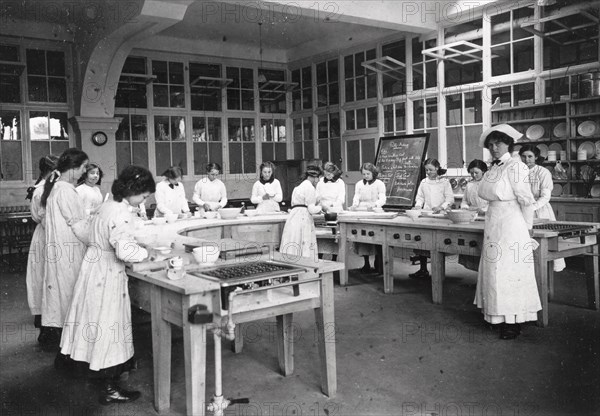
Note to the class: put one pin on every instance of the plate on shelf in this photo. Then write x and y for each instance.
(534, 132)
(556, 147)
(595, 191)
(557, 190)
(589, 148)
(543, 150)
(598, 149)
(560, 130)
(587, 128)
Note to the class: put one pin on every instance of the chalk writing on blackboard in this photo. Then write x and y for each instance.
(399, 159)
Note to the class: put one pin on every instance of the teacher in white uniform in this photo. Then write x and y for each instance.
(210, 193)
(506, 287)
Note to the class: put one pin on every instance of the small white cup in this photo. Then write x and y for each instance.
(582, 154)
(176, 263)
(552, 156)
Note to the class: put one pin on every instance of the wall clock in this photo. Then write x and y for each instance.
(99, 138)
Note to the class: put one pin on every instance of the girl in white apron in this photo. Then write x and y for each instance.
(98, 326)
(266, 192)
(210, 193)
(89, 188)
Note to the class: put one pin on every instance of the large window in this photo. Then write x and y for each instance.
(132, 141)
(330, 142)
(361, 118)
(240, 93)
(10, 71)
(206, 138)
(464, 126)
(242, 145)
(48, 132)
(512, 47)
(304, 147)
(170, 143)
(328, 83)
(424, 67)
(272, 91)
(11, 142)
(302, 93)
(46, 78)
(394, 118)
(131, 92)
(360, 83)
(425, 119)
(168, 86)
(205, 86)
(468, 70)
(273, 137)
(394, 81)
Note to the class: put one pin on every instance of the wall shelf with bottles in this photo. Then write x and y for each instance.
(569, 128)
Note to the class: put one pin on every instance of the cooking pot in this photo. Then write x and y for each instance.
(589, 84)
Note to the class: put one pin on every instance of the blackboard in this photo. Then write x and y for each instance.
(399, 159)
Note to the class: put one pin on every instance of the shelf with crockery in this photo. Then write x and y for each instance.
(567, 132)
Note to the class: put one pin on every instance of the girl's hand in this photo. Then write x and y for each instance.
(266, 197)
(437, 210)
(207, 207)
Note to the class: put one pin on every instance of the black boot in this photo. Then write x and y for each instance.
(510, 331)
(112, 393)
(367, 267)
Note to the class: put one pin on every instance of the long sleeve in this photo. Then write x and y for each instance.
(256, 197)
(71, 209)
(420, 198)
(518, 175)
(356, 198)
(121, 239)
(37, 211)
(223, 200)
(161, 199)
(381, 198)
(448, 195)
(197, 192)
(546, 185)
(278, 191)
(182, 199)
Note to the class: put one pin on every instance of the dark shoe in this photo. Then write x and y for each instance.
(510, 331)
(115, 394)
(64, 365)
(421, 274)
(366, 269)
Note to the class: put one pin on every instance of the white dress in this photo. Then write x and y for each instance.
(506, 286)
(67, 235)
(98, 326)
(90, 196)
(368, 195)
(170, 200)
(434, 193)
(540, 180)
(273, 188)
(35, 259)
(331, 195)
(299, 238)
(471, 197)
(211, 192)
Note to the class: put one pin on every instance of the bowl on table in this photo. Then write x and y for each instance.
(164, 250)
(206, 254)
(171, 218)
(229, 213)
(210, 215)
(159, 220)
(251, 212)
(461, 216)
(413, 214)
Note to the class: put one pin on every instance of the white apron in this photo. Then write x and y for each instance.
(506, 285)
(98, 328)
(35, 260)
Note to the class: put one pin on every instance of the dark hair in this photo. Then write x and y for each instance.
(499, 137)
(435, 163)
(312, 171)
(333, 169)
(479, 164)
(46, 165)
(266, 165)
(133, 180)
(212, 166)
(173, 172)
(70, 158)
(533, 149)
(370, 167)
(91, 166)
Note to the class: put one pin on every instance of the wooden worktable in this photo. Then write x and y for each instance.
(168, 302)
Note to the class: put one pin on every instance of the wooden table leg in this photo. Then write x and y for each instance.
(285, 343)
(550, 280)
(325, 320)
(343, 254)
(194, 351)
(541, 276)
(161, 352)
(438, 271)
(388, 268)
(591, 278)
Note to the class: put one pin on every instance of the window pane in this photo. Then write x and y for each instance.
(57, 90)
(334, 93)
(123, 155)
(163, 157)
(248, 130)
(59, 126)
(161, 129)
(37, 88)
(38, 125)
(353, 155)
(324, 149)
(11, 161)
(139, 128)
(323, 126)
(179, 156)
(525, 93)
(431, 113)
(321, 73)
(400, 117)
(418, 114)
(161, 95)
(159, 68)
(361, 121)
(454, 147)
(335, 146)
(234, 130)
(350, 121)
(235, 157)
(308, 132)
(176, 73)
(9, 53)
(309, 150)
(368, 150)
(332, 70)
(36, 62)
(523, 55)
(198, 129)
(134, 65)
(297, 129)
(453, 110)
(334, 125)
(139, 154)
(177, 97)
(472, 149)
(11, 125)
(200, 158)
(10, 88)
(473, 107)
(56, 63)
(250, 158)
(388, 118)
(123, 133)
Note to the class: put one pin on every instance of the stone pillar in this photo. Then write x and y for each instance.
(105, 156)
